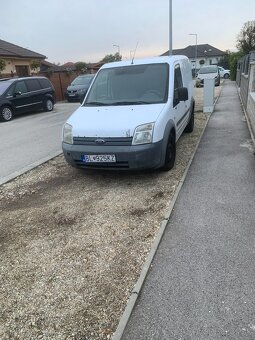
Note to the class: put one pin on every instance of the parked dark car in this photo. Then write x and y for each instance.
(79, 87)
(21, 95)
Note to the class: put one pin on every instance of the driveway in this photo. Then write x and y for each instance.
(29, 139)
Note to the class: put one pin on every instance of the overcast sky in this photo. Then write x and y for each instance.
(86, 30)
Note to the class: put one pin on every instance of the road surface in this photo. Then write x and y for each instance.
(29, 139)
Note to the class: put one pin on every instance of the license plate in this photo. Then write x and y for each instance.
(98, 158)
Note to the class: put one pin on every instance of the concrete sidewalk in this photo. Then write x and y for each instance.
(201, 285)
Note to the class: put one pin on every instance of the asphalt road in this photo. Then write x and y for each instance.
(29, 139)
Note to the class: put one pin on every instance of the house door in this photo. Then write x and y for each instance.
(22, 70)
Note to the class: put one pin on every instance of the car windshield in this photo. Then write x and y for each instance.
(4, 84)
(82, 80)
(208, 69)
(130, 85)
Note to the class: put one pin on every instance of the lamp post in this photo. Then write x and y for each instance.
(195, 34)
(170, 29)
(117, 47)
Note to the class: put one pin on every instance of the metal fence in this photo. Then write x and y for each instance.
(243, 75)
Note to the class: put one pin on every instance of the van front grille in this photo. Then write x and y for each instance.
(109, 141)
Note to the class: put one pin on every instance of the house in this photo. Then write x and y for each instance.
(199, 55)
(18, 61)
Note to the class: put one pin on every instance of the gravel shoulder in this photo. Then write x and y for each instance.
(73, 243)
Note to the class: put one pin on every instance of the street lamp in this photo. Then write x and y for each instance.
(170, 29)
(117, 47)
(195, 34)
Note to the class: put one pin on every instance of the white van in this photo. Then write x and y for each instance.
(132, 116)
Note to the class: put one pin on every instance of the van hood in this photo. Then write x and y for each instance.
(112, 121)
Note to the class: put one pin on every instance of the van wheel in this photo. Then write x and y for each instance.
(48, 104)
(226, 76)
(170, 153)
(6, 113)
(190, 127)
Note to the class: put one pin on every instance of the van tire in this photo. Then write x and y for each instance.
(6, 113)
(170, 153)
(48, 104)
(190, 127)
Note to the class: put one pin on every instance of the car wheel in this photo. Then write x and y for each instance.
(6, 113)
(170, 153)
(190, 127)
(48, 104)
(226, 76)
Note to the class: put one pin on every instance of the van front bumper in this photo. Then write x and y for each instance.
(132, 157)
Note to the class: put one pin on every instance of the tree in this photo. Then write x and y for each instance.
(246, 37)
(35, 64)
(111, 57)
(224, 61)
(233, 59)
(2, 65)
(81, 67)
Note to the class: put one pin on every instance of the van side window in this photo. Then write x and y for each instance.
(177, 83)
(44, 83)
(33, 85)
(20, 87)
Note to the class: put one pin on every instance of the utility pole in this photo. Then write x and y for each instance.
(170, 29)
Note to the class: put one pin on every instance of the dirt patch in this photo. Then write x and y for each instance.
(73, 244)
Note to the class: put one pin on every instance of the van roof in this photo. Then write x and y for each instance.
(154, 60)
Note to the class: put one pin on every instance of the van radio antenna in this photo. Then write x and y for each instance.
(132, 62)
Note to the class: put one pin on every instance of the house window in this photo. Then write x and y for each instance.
(210, 61)
(22, 70)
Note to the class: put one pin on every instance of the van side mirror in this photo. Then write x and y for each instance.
(183, 94)
(15, 94)
(180, 94)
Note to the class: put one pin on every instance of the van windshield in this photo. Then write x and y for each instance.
(130, 85)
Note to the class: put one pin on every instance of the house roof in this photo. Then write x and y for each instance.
(14, 51)
(203, 50)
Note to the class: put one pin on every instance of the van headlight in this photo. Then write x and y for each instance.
(67, 133)
(143, 134)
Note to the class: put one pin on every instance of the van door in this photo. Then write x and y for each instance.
(179, 106)
(19, 97)
(36, 94)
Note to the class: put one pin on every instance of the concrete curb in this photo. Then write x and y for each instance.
(15, 174)
(138, 286)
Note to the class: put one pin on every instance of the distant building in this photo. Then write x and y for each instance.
(205, 55)
(19, 61)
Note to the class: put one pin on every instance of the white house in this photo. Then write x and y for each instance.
(199, 55)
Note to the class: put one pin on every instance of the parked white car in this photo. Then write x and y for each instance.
(132, 115)
(208, 72)
(224, 73)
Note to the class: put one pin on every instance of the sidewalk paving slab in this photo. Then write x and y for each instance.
(201, 284)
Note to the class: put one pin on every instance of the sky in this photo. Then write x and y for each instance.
(87, 30)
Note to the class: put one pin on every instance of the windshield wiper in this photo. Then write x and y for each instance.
(96, 104)
(138, 102)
